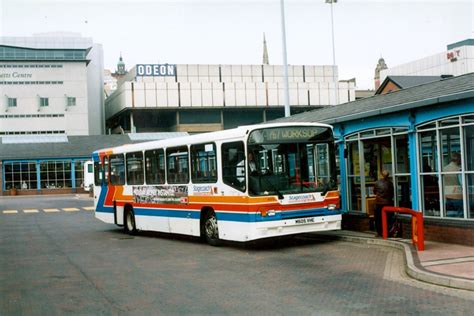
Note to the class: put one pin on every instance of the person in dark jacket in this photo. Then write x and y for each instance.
(383, 190)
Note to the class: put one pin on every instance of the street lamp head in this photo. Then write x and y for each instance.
(331, 1)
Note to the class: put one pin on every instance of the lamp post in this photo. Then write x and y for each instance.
(285, 62)
(331, 2)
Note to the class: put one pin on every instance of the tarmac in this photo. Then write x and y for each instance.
(448, 265)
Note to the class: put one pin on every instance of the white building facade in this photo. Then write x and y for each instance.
(458, 59)
(200, 98)
(51, 84)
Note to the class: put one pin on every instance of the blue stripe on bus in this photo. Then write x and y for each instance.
(167, 213)
(245, 217)
(95, 157)
(227, 216)
(100, 204)
(310, 212)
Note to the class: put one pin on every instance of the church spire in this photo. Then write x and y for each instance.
(121, 66)
(265, 51)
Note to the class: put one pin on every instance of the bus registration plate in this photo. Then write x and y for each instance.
(307, 220)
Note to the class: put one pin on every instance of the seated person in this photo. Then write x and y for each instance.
(252, 166)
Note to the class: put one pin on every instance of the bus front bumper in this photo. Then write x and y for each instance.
(268, 229)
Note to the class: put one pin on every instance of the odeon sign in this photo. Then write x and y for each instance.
(156, 70)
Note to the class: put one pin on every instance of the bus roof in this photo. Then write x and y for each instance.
(239, 132)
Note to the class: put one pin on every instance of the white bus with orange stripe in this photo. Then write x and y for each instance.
(242, 184)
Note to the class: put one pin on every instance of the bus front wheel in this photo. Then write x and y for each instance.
(130, 227)
(211, 229)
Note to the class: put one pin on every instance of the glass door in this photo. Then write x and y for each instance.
(377, 157)
(353, 176)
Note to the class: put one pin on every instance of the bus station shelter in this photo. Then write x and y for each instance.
(424, 136)
(53, 164)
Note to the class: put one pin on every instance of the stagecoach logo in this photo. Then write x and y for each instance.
(160, 194)
(301, 198)
(202, 190)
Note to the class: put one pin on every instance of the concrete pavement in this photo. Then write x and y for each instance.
(442, 264)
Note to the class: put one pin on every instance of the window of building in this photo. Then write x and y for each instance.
(117, 170)
(369, 153)
(451, 169)
(18, 53)
(135, 168)
(55, 174)
(402, 175)
(177, 165)
(203, 163)
(12, 102)
(71, 101)
(233, 165)
(44, 102)
(32, 132)
(353, 175)
(20, 175)
(79, 173)
(447, 168)
(155, 166)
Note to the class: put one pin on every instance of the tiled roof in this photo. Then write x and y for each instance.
(411, 81)
(445, 90)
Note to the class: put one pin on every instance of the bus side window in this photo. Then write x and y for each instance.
(98, 173)
(117, 170)
(233, 165)
(106, 170)
(177, 161)
(203, 163)
(321, 154)
(134, 168)
(155, 166)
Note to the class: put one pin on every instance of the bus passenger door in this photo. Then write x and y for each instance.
(99, 183)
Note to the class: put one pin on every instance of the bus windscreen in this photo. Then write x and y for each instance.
(291, 160)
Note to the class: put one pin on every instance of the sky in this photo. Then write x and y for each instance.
(231, 31)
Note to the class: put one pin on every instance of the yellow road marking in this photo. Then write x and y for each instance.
(70, 209)
(10, 212)
(51, 210)
(89, 208)
(30, 211)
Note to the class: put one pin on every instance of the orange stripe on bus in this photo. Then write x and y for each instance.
(230, 199)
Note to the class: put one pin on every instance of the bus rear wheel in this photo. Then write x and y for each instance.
(211, 229)
(130, 227)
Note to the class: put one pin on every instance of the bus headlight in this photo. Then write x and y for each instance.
(331, 207)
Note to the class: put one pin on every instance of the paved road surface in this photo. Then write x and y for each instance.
(67, 262)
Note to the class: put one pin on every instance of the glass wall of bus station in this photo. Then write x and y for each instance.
(52, 174)
(447, 167)
(368, 154)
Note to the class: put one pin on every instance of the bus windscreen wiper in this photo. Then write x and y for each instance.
(280, 195)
